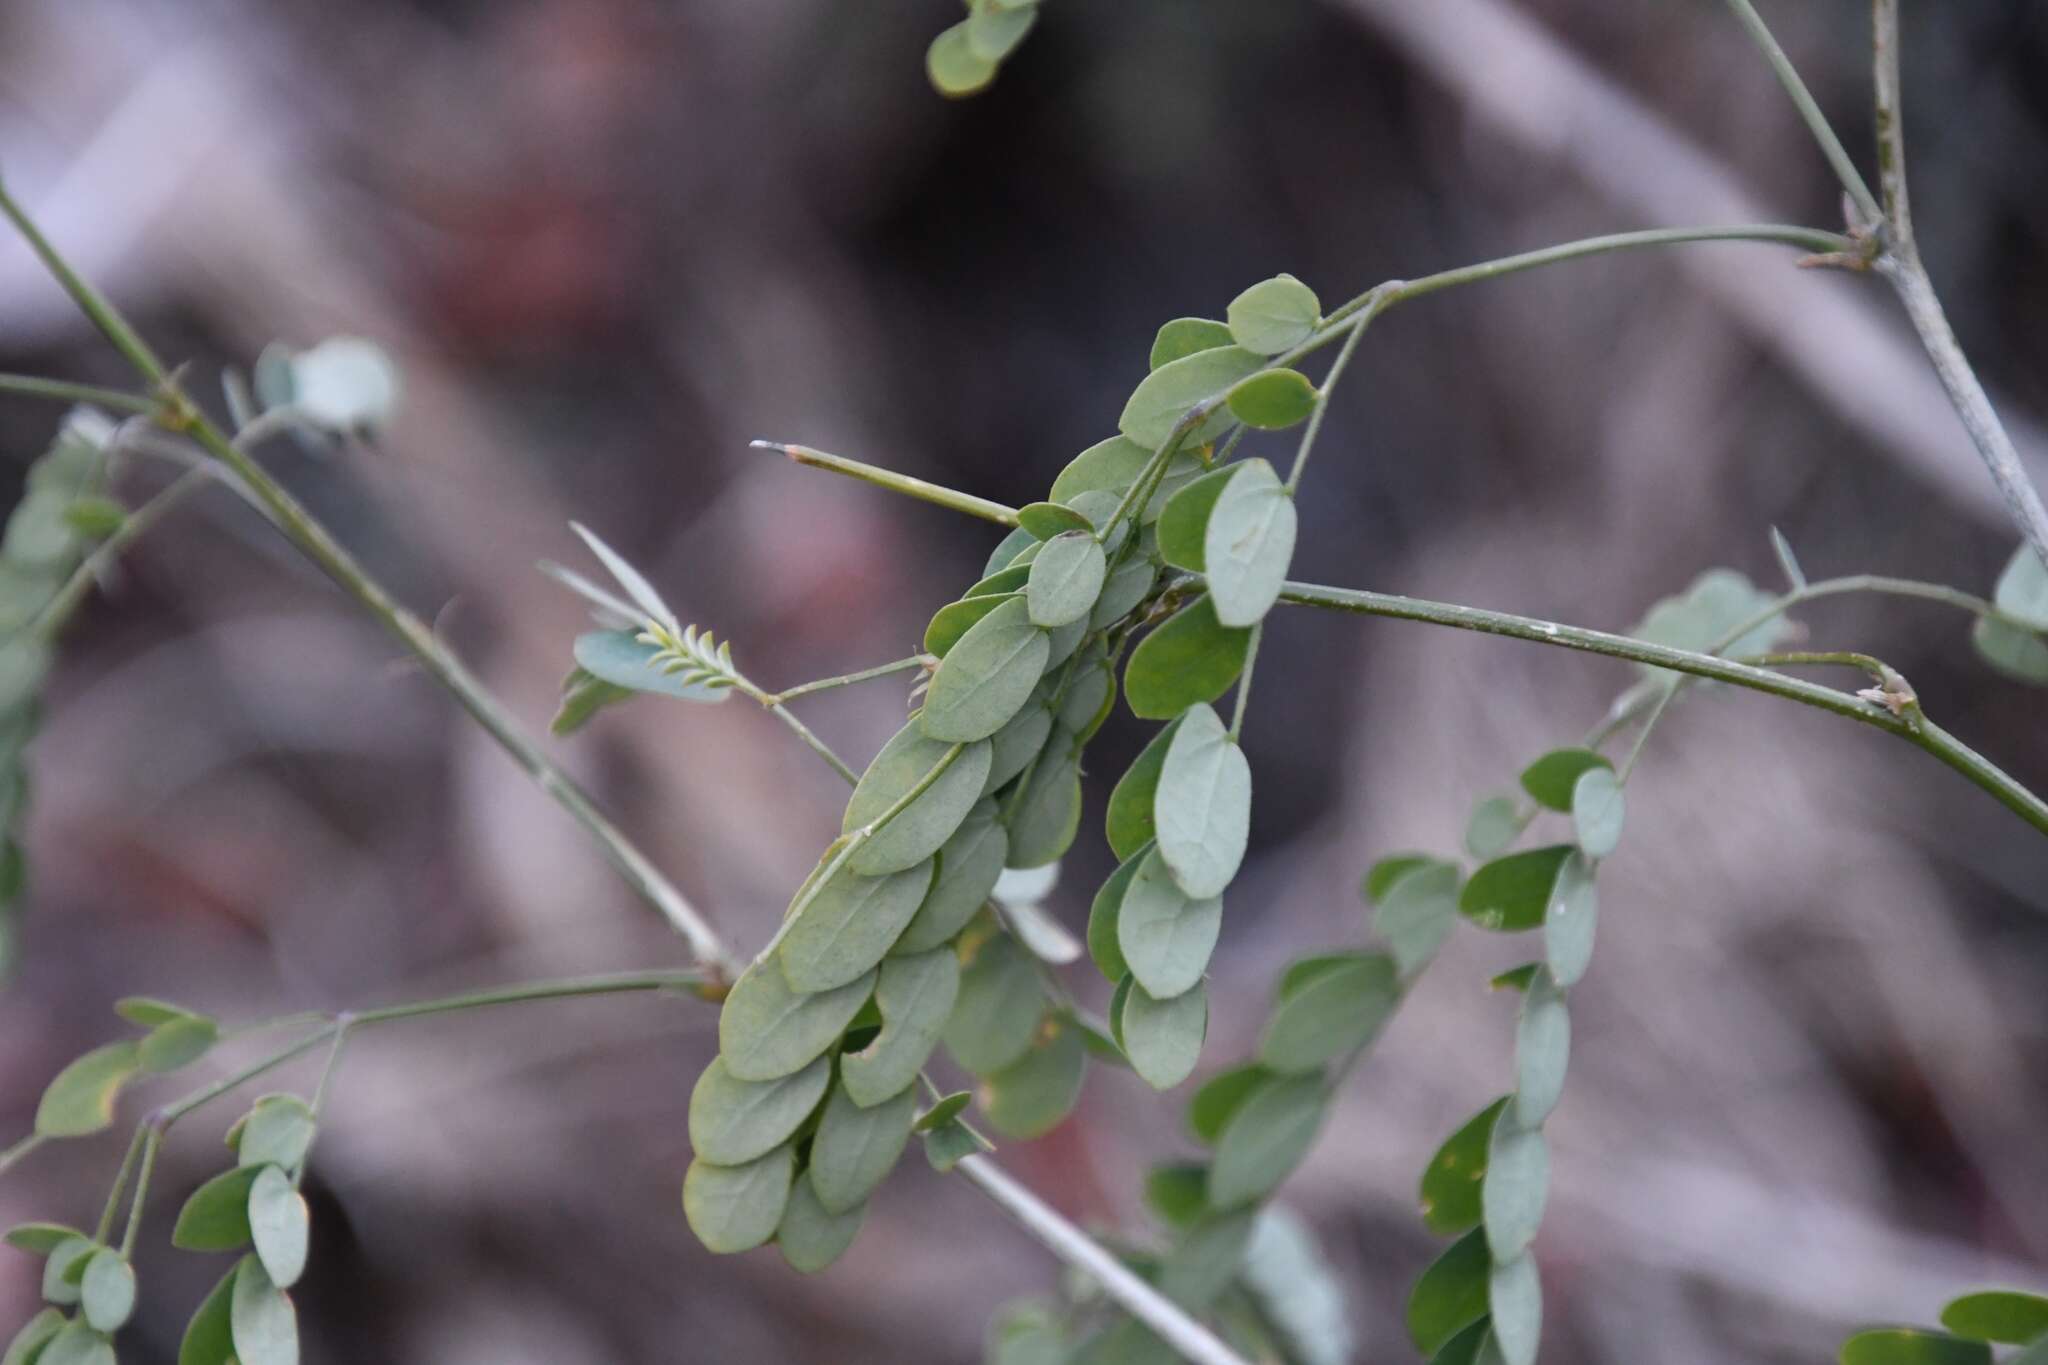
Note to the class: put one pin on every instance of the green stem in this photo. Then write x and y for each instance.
(97, 310)
(105, 1229)
(1665, 697)
(822, 684)
(19, 1150)
(57, 391)
(1842, 658)
(1802, 99)
(802, 731)
(1927, 735)
(1244, 681)
(898, 483)
(57, 611)
(1359, 323)
(152, 1143)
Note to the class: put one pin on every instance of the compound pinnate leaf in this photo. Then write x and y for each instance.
(277, 1132)
(1273, 400)
(1202, 807)
(1550, 778)
(1451, 1295)
(987, 677)
(997, 1012)
(1514, 1189)
(1598, 807)
(1543, 1048)
(209, 1337)
(1165, 934)
(1128, 822)
(106, 1292)
(216, 1217)
(845, 923)
(915, 996)
(733, 1121)
(969, 866)
(622, 659)
(265, 1326)
(1185, 336)
(1029, 1097)
(279, 1225)
(917, 831)
(1570, 920)
(953, 65)
(1248, 544)
(1274, 315)
(810, 1235)
(1066, 579)
(1191, 658)
(2004, 1315)
(855, 1148)
(1451, 1181)
(1163, 1038)
(1335, 1010)
(1416, 912)
(1266, 1136)
(1510, 894)
(1515, 1303)
(1184, 521)
(1912, 1346)
(767, 1030)
(1169, 393)
(81, 1098)
(737, 1208)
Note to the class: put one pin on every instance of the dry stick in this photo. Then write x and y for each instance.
(313, 539)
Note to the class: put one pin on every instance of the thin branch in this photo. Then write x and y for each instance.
(58, 391)
(1925, 734)
(66, 599)
(1173, 1325)
(841, 680)
(899, 483)
(1802, 98)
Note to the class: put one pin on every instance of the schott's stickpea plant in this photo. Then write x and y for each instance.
(1142, 579)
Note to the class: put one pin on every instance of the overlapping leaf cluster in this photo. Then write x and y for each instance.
(1975, 1323)
(53, 527)
(893, 943)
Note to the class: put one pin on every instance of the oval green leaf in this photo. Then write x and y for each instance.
(260, 1315)
(1451, 1181)
(1911, 1346)
(1163, 1038)
(1166, 395)
(1048, 815)
(915, 996)
(1510, 894)
(737, 1208)
(1598, 807)
(1336, 1011)
(1104, 950)
(1044, 520)
(277, 1132)
(2005, 1315)
(1192, 658)
(1274, 315)
(1128, 822)
(969, 865)
(279, 1225)
(1219, 1098)
(81, 1098)
(620, 658)
(1514, 1188)
(209, 1337)
(1543, 1049)
(1451, 1295)
(1416, 912)
(810, 1235)
(1185, 519)
(1273, 400)
(1203, 805)
(1550, 778)
(1267, 1135)
(996, 1014)
(856, 1147)
(216, 1217)
(1569, 922)
(767, 1030)
(106, 1292)
(987, 677)
(1028, 1098)
(1066, 578)
(1248, 544)
(733, 1122)
(1185, 336)
(1515, 1303)
(953, 65)
(1165, 934)
(916, 832)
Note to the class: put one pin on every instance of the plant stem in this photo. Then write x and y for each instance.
(1358, 324)
(899, 483)
(19, 1150)
(1901, 264)
(57, 611)
(1192, 1340)
(1244, 681)
(1927, 735)
(152, 1142)
(1816, 122)
(822, 684)
(105, 1229)
(57, 391)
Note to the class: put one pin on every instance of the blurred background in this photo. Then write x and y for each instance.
(613, 240)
